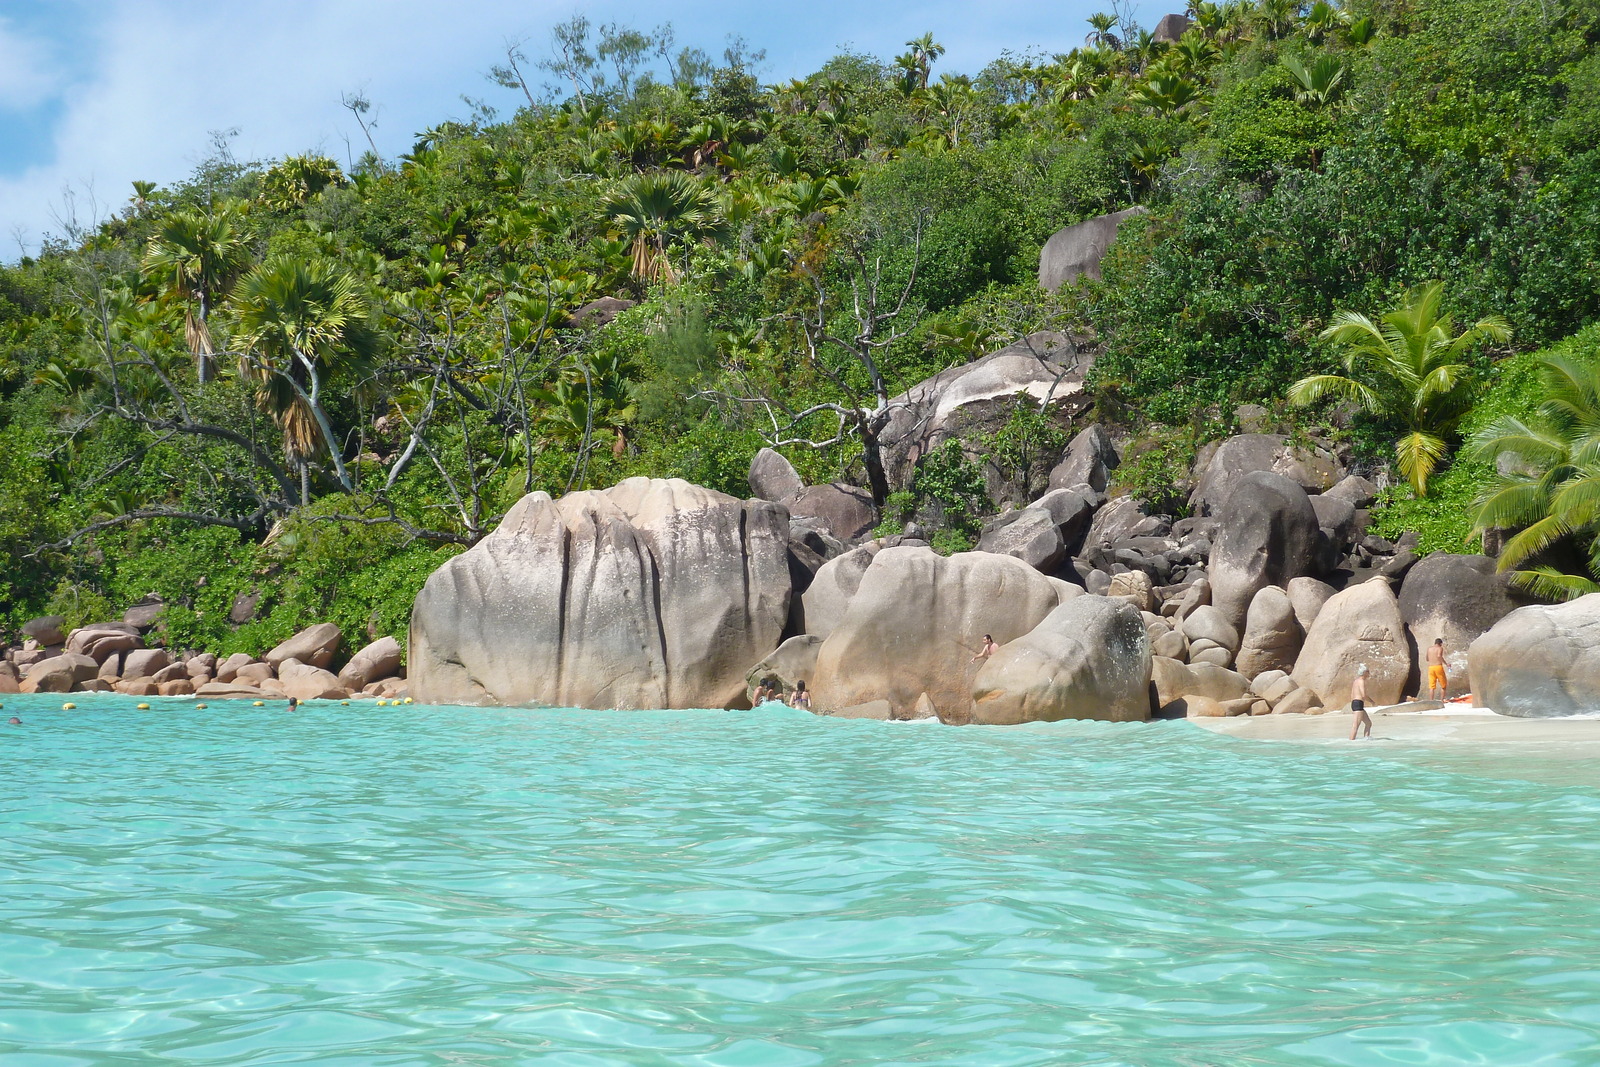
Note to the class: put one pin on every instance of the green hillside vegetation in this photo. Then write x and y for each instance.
(313, 382)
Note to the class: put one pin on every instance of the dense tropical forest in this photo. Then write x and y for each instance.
(306, 384)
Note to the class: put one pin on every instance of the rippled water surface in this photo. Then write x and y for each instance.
(457, 886)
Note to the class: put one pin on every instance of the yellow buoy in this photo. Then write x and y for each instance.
(346, 703)
(68, 707)
(408, 700)
(382, 702)
(144, 707)
(202, 707)
(258, 703)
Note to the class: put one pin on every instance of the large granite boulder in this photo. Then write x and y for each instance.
(915, 623)
(315, 645)
(844, 511)
(46, 630)
(1307, 595)
(1540, 661)
(59, 674)
(1268, 536)
(1031, 535)
(1272, 634)
(1170, 28)
(380, 659)
(1072, 510)
(1122, 519)
(1459, 599)
(651, 594)
(1076, 251)
(1088, 659)
(1090, 459)
(145, 662)
(1045, 369)
(305, 682)
(772, 477)
(835, 583)
(102, 640)
(1360, 625)
(1219, 469)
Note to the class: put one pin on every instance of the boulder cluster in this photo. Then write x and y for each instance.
(125, 657)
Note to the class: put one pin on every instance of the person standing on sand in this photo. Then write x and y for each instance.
(1358, 704)
(989, 648)
(1436, 675)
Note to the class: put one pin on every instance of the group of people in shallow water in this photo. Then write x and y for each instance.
(772, 689)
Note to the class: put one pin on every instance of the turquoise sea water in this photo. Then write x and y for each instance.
(417, 885)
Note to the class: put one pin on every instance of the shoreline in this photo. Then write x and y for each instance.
(1571, 738)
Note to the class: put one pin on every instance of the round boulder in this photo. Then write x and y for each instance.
(1540, 661)
(1088, 659)
(1268, 536)
(1459, 599)
(1360, 625)
(1272, 635)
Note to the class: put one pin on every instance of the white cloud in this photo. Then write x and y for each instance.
(26, 78)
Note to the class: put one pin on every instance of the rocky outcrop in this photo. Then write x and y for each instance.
(835, 583)
(59, 674)
(1306, 596)
(772, 477)
(915, 623)
(46, 630)
(99, 641)
(1268, 536)
(979, 397)
(1031, 535)
(1090, 459)
(305, 682)
(1088, 659)
(1272, 634)
(315, 645)
(1360, 625)
(844, 511)
(1076, 251)
(1540, 661)
(380, 659)
(650, 594)
(1219, 469)
(1170, 28)
(1459, 599)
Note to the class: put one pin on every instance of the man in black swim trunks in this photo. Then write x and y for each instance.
(1358, 704)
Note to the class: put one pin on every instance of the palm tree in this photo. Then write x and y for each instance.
(1405, 369)
(1166, 93)
(1550, 489)
(197, 255)
(1100, 36)
(924, 51)
(301, 323)
(1322, 19)
(1317, 84)
(655, 211)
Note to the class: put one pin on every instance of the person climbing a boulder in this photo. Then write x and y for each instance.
(989, 648)
(1436, 675)
(1358, 704)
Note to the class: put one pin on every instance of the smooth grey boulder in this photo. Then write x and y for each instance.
(793, 661)
(1540, 661)
(1459, 599)
(305, 682)
(1087, 659)
(145, 662)
(1072, 509)
(654, 593)
(1030, 535)
(917, 620)
(229, 668)
(1077, 250)
(1170, 28)
(1090, 459)
(1355, 489)
(1121, 519)
(1172, 645)
(145, 614)
(772, 477)
(1268, 536)
(835, 583)
(101, 640)
(1337, 519)
(315, 646)
(47, 630)
(1207, 623)
(1218, 683)
(1272, 635)
(844, 511)
(1307, 595)
(1217, 472)
(378, 660)
(1359, 625)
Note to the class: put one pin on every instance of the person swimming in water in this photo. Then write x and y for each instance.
(294, 704)
(801, 697)
(13, 721)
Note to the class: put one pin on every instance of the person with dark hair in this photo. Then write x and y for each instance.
(1436, 675)
(989, 648)
(294, 703)
(801, 697)
(13, 721)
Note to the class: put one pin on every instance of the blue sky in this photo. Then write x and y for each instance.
(97, 93)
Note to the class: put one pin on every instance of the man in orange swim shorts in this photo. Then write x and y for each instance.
(1436, 677)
